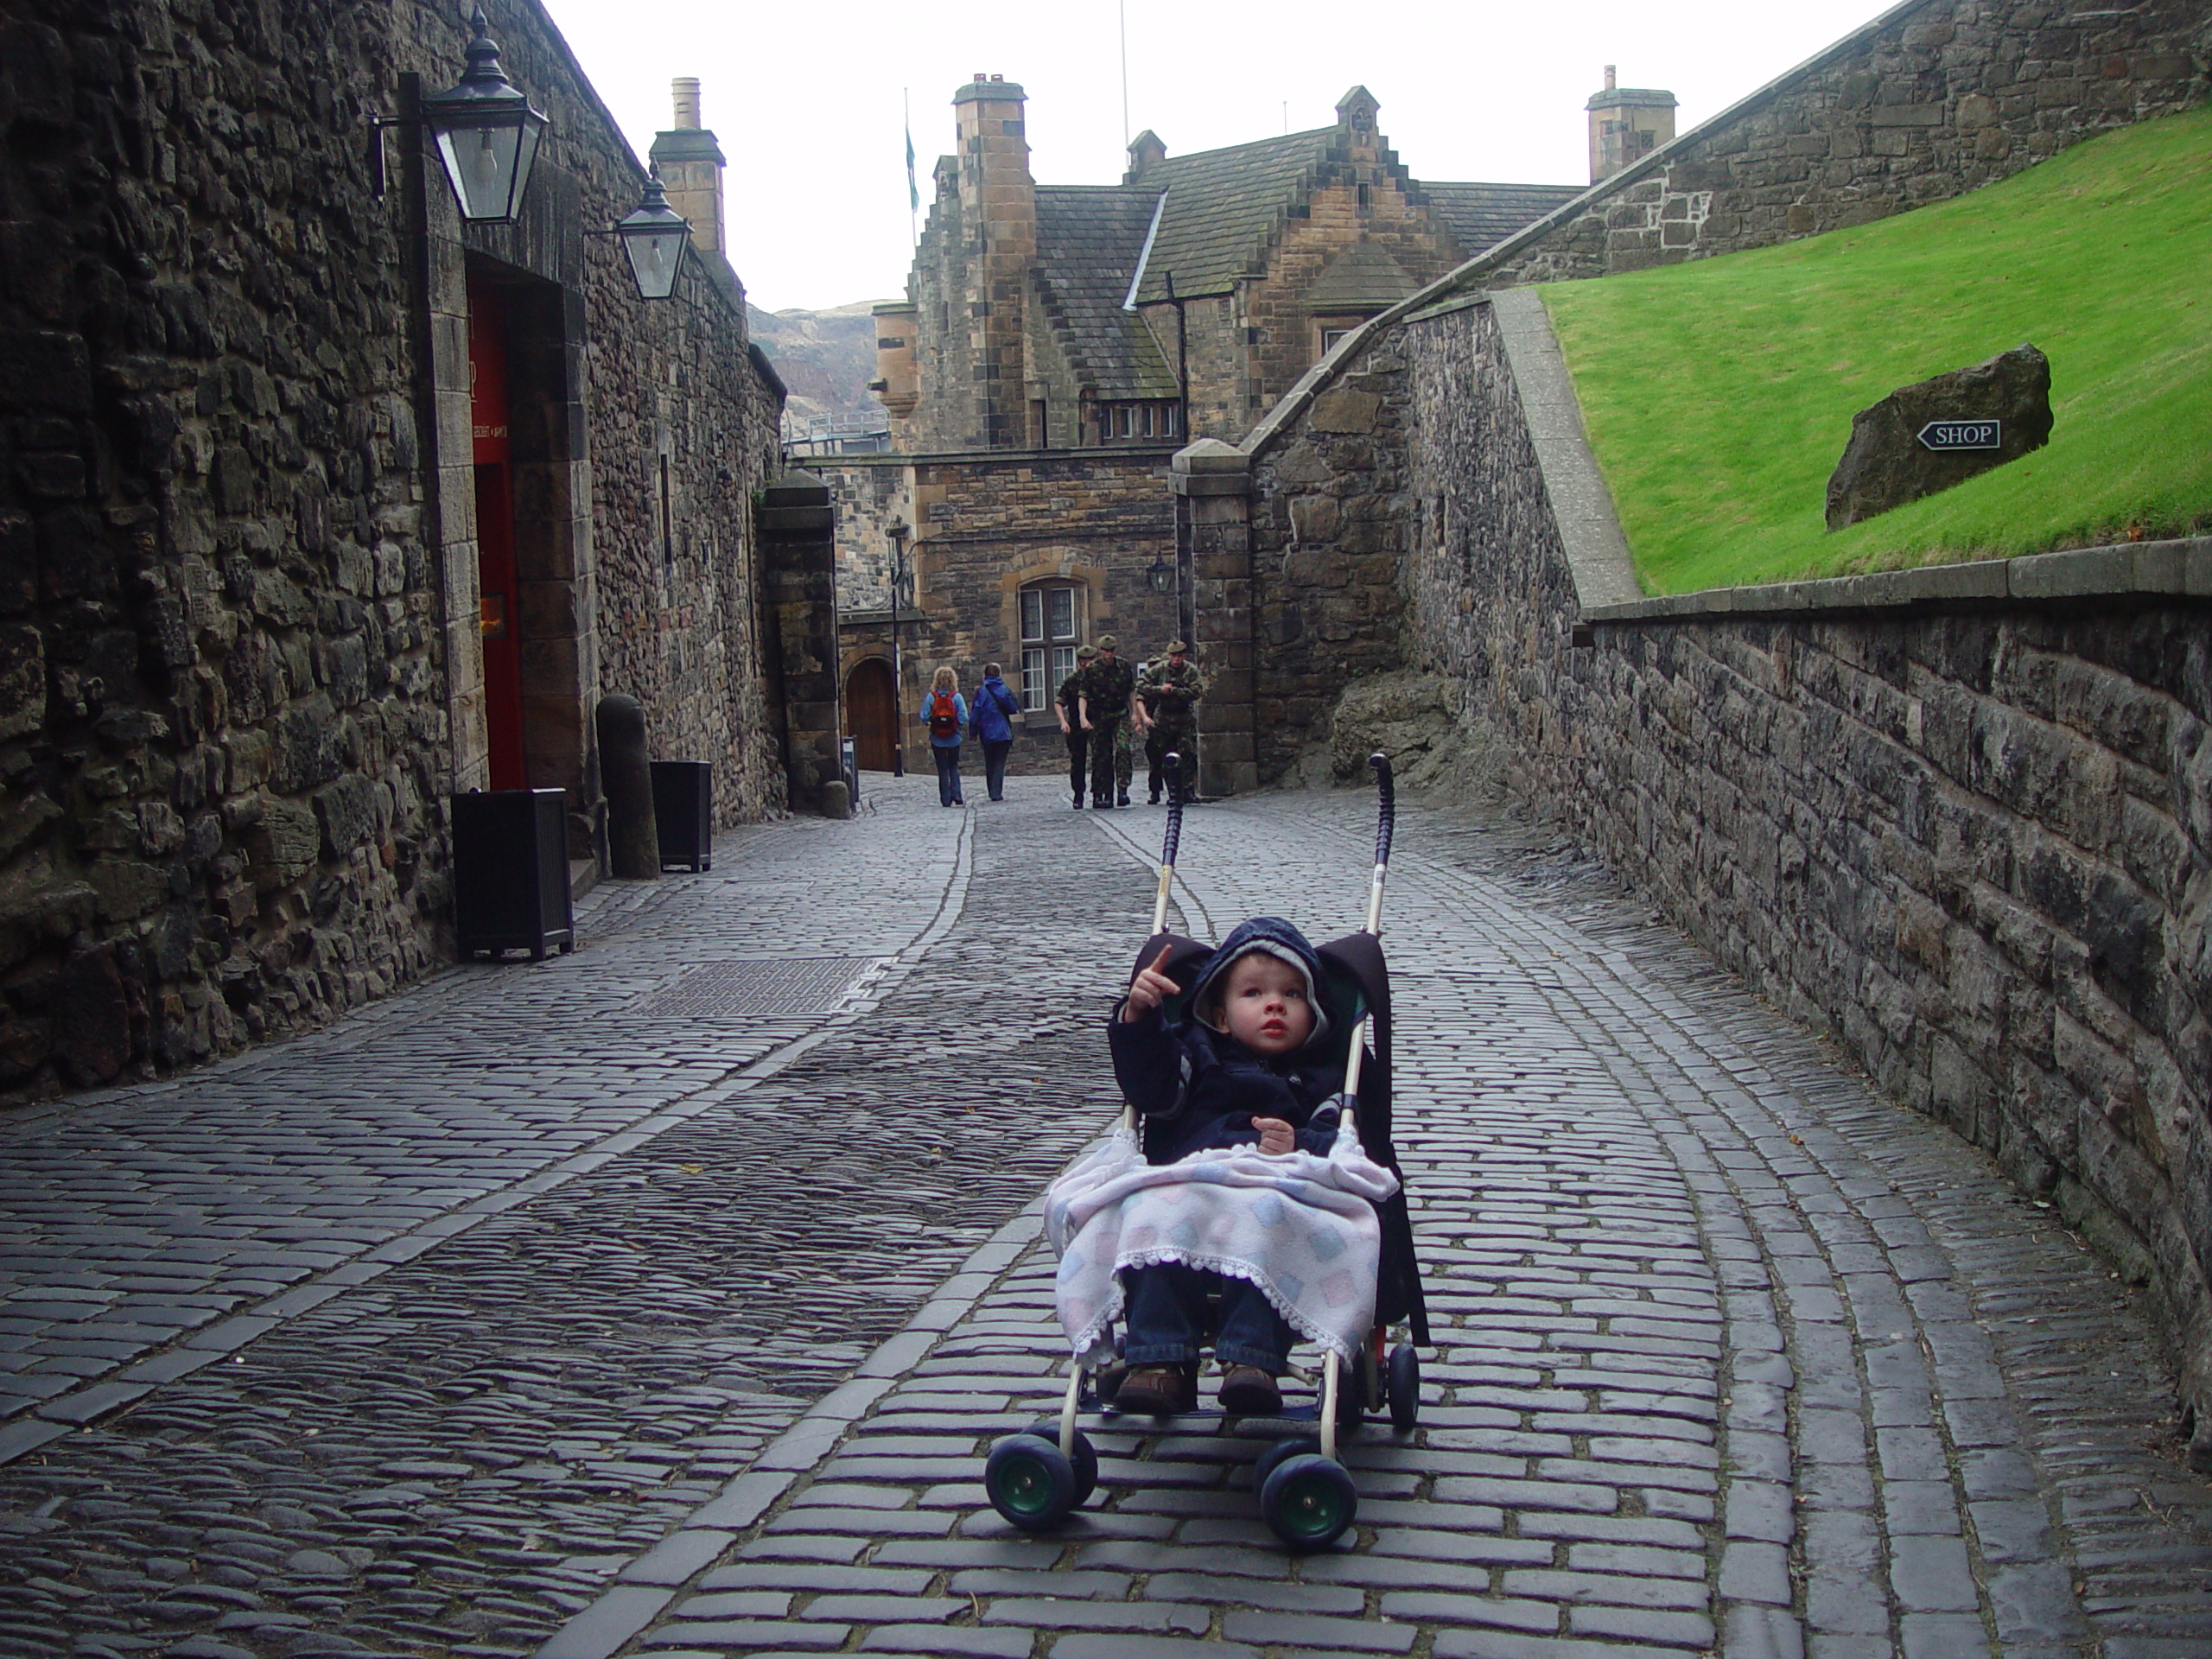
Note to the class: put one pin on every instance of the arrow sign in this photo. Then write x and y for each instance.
(1961, 434)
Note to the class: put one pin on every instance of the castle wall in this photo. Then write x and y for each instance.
(239, 623)
(1933, 98)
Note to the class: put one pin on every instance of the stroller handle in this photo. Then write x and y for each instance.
(1386, 822)
(1172, 766)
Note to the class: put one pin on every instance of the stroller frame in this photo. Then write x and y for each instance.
(1036, 1477)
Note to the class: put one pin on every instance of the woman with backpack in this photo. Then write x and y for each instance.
(995, 708)
(945, 713)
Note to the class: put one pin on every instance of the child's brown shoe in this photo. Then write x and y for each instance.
(1163, 1391)
(1248, 1391)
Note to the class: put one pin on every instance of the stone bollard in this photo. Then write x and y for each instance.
(634, 839)
(836, 798)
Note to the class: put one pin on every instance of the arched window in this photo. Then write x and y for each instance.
(1052, 627)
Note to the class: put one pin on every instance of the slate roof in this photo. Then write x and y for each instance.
(1481, 215)
(1224, 206)
(1088, 239)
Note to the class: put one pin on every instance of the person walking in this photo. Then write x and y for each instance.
(945, 713)
(1170, 692)
(1106, 695)
(1069, 706)
(993, 724)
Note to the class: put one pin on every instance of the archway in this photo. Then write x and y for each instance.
(872, 713)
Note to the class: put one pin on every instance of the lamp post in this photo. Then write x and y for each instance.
(485, 131)
(897, 531)
(652, 239)
(486, 134)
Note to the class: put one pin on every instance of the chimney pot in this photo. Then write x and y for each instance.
(980, 75)
(998, 77)
(1608, 77)
(687, 101)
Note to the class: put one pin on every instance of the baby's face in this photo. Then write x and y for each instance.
(1263, 1005)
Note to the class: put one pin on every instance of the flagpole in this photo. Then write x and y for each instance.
(913, 190)
(1121, 23)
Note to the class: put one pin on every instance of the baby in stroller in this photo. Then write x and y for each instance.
(1244, 1067)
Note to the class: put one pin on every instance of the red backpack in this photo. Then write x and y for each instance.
(944, 715)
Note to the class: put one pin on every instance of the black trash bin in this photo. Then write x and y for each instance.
(683, 811)
(510, 873)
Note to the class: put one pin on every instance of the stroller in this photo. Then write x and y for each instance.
(1035, 1478)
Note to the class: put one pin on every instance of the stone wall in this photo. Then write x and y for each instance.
(1333, 518)
(1930, 100)
(1960, 818)
(239, 658)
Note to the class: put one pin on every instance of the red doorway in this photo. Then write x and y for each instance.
(498, 587)
(872, 713)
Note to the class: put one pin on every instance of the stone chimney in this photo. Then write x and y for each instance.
(1356, 112)
(1626, 124)
(690, 164)
(1146, 151)
(998, 205)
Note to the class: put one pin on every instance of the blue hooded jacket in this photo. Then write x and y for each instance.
(1201, 1086)
(995, 706)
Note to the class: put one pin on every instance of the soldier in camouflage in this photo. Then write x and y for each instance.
(1068, 706)
(1106, 698)
(1170, 692)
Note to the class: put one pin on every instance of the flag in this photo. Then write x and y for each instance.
(913, 190)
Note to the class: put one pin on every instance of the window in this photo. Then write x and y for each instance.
(1136, 422)
(1052, 624)
(1329, 337)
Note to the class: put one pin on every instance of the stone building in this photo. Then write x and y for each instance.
(1058, 343)
(318, 506)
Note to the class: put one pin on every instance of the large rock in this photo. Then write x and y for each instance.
(1887, 465)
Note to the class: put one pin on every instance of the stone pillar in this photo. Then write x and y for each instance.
(799, 562)
(1212, 482)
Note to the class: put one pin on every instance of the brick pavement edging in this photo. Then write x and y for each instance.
(132, 1381)
(645, 1588)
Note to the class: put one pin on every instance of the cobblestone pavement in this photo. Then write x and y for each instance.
(640, 1302)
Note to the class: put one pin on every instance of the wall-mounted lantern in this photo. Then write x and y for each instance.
(653, 238)
(485, 131)
(1160, 574)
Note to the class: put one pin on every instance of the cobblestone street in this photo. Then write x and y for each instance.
(664, 1299)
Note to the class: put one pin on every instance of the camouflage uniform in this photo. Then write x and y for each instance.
(1078, 740)
(1105, 685)
(1171, 696)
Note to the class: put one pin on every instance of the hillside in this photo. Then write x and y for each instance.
(1719, 394)
(825, 358)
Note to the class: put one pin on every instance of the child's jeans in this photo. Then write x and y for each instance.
(1166, 1311)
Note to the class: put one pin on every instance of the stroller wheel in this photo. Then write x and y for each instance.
(1405, 1388)
(1030, 1483)
(1085, 1461)
(1309, 1501)
(1297, 1446)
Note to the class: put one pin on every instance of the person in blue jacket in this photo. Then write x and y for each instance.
(995, 709)
(1243, 1067)
(944, 712)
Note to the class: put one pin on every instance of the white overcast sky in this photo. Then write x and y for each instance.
(807, 99)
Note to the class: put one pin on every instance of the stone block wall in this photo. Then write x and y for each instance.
(1331, 523)
(1928, 101)
(238, 661)
(1971, 840)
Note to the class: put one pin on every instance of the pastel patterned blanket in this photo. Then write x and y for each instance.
(1303, 1229)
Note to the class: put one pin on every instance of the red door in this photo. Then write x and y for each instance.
(872, 712)
(497, 586)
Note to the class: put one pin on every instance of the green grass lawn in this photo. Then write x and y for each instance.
(1718, 394)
